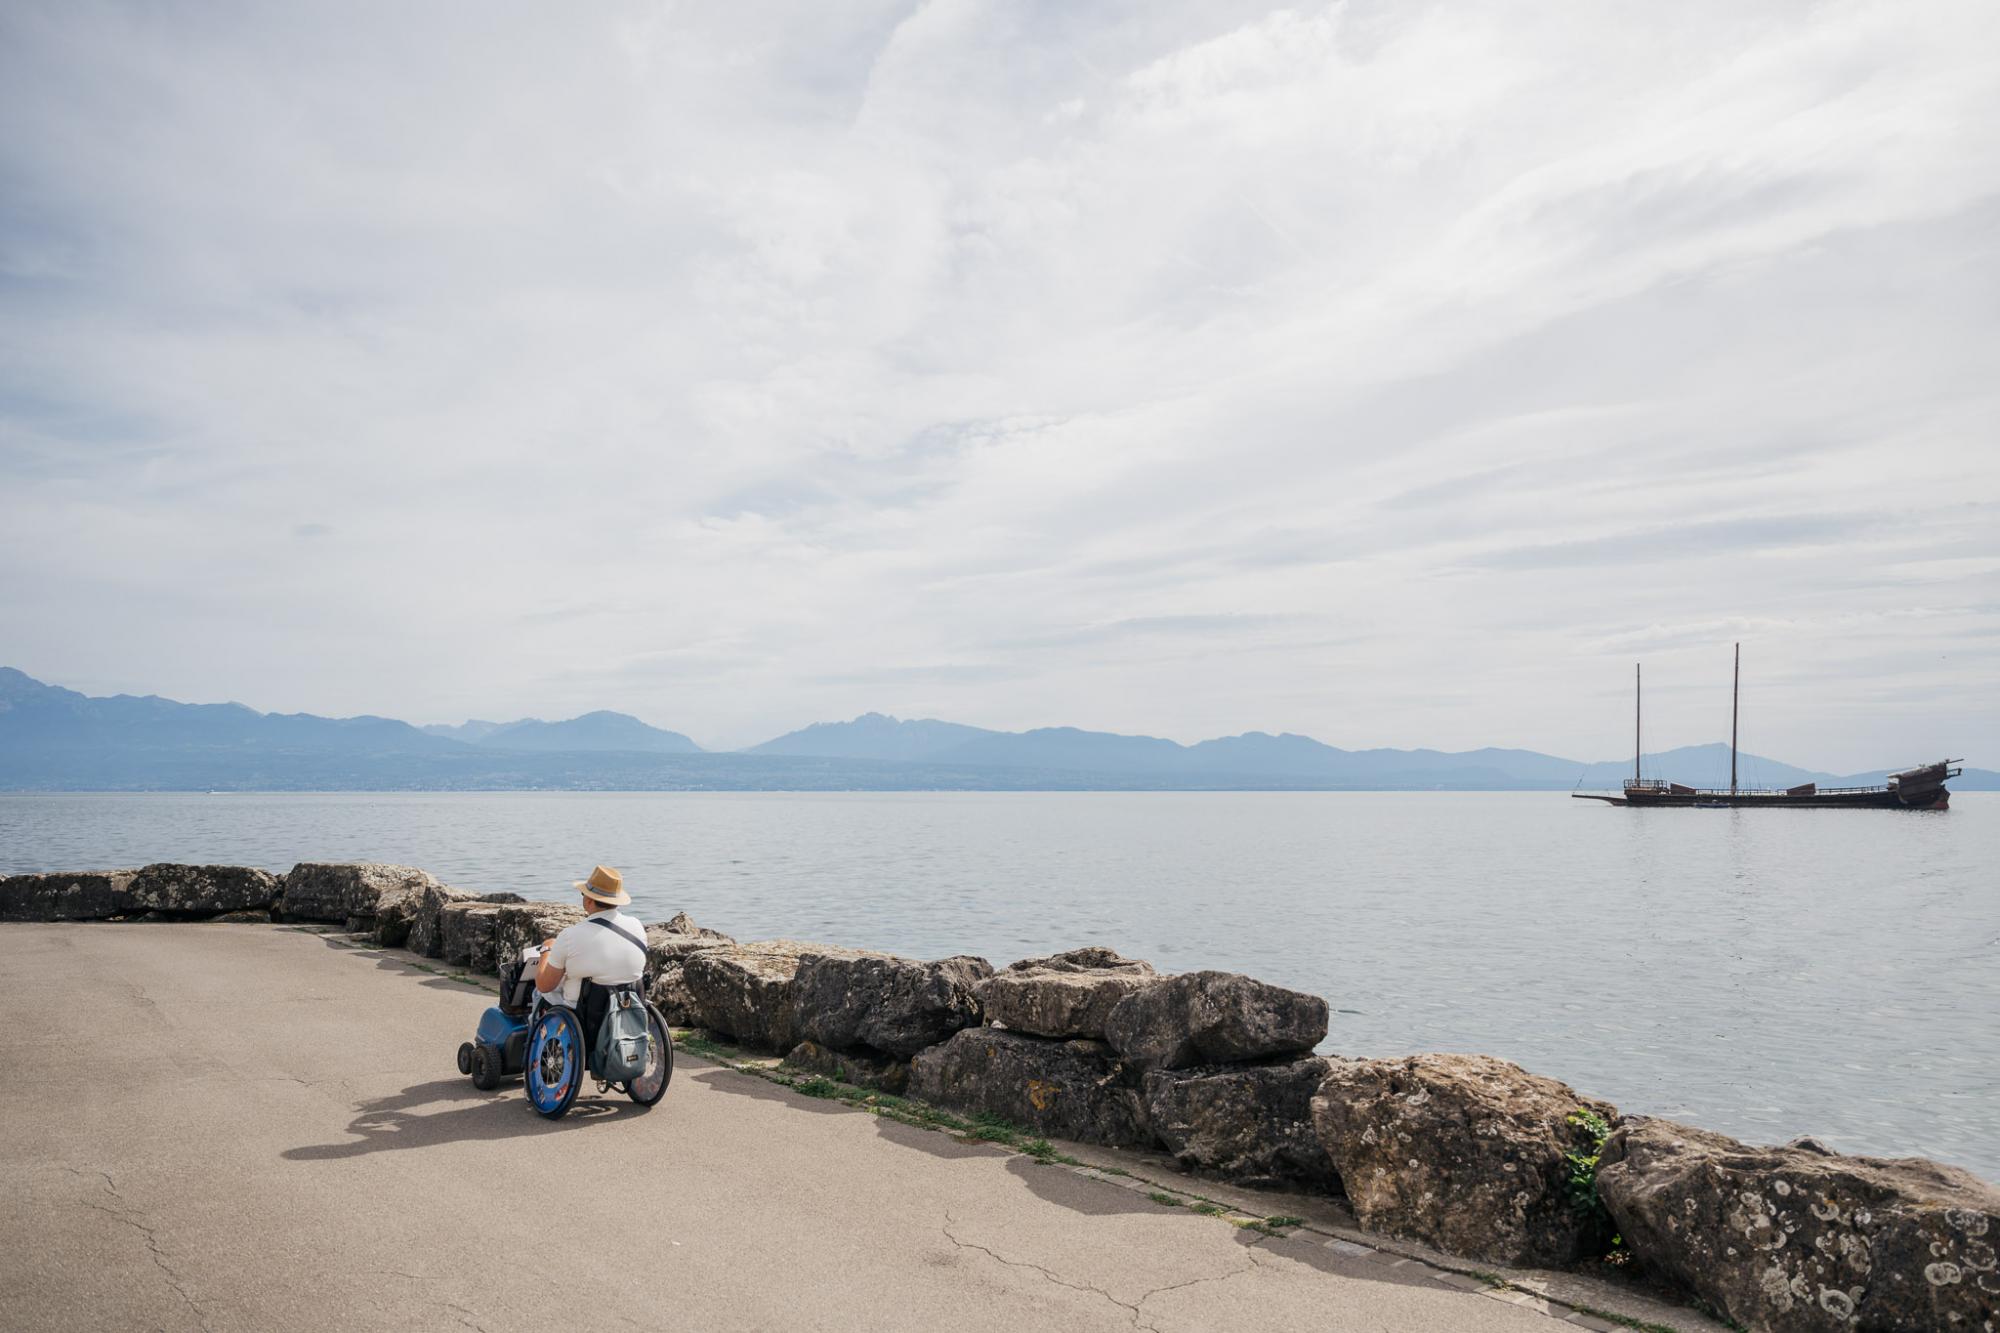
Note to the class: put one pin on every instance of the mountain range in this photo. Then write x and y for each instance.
(57, 739)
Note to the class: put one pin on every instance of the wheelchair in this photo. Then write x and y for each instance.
(553, 1046)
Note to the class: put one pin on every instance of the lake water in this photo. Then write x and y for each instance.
(1765, 973)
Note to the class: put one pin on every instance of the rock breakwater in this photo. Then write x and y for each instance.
(1470, 1154)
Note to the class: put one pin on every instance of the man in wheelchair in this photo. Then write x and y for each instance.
(575, 1005)
(607, 947)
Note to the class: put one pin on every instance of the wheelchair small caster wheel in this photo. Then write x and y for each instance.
(485, 1068)
(465, 1057)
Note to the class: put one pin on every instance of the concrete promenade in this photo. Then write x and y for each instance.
(246, 1127)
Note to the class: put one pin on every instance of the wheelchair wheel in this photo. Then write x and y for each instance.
(555, 1061)
(650, 1086)
(486, 1067)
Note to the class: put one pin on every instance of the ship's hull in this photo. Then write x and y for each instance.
(1869, 800)
(1915, 789)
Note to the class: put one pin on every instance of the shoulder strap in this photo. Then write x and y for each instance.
(618, 931)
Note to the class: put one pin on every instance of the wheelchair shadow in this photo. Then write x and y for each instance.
(409, 1119)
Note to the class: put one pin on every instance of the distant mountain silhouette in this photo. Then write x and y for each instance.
(48, 717)
(874, 736)
(56, 739)
(1256, 754)
(593, 731)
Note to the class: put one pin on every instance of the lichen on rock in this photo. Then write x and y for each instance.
(1068, 994)
(1201, 1018)
(1464, 1152)
(1072, 1089)
(744, 991)
(1248, 1124)
(897, 1006)
(200, 890)
(1798, 1239)
(89, 895)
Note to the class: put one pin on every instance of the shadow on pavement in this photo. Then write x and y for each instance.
(1079, 1194)
(396, 1123)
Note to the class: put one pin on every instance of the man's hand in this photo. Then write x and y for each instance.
(548, 944)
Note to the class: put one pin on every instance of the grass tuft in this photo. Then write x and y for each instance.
(818, 1086)
(1167, 1200)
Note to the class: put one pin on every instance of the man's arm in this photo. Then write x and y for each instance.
(547, 977)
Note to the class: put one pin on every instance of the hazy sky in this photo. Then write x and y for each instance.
(1394, 373)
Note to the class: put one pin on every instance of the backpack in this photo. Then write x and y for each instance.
(624, 1038)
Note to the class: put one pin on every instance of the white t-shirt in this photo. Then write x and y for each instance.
(607, 957)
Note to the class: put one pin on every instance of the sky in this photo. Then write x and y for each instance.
(1393, 373)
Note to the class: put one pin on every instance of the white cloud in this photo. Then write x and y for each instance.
(745, 368)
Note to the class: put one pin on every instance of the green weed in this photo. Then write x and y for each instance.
(1600, 1232)
(818, 1086)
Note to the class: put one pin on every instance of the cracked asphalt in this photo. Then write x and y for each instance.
(215, 1127)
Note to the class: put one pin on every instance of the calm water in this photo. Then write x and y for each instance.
(1766, 973)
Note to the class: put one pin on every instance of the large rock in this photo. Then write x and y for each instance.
(667, 948)
(1202, 1018)
(89, 895)
(896, 1006)
(1464, 1152)
(862, 1069)
(1072, 1089)
(1798, 1239)
(1252, 1125)
(1065, 995)
(351, 892)
(201, 890)
(465, 933)
(516, 926)
(744, 991)
(426, 935)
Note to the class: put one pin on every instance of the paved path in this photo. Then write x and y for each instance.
(246, 1127)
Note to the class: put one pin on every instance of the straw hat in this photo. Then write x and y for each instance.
(605, 885)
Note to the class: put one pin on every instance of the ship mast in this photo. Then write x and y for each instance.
(1635, 722)
(1735, 690)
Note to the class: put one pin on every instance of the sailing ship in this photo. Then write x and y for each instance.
(1920, 788)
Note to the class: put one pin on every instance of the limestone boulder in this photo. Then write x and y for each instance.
(667, 948)
(1201, 1018)
(1464, 1152)
(191, 890)
(1250, 1125)
(680, 923)
(1065, 995)
(744, 991)
(1076, 1090)
(426, 916)
(517, 926)
(90, 895)
(1799, 1239)
(896, 1006)
(425, 937)
(465, 932)
(350, 892)
(884, 1073)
